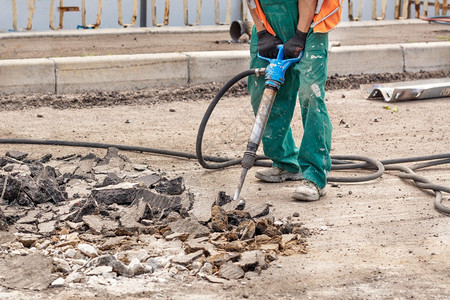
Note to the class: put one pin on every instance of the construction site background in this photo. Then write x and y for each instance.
(78, 14)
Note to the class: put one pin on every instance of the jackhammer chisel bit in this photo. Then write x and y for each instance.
(275, 72)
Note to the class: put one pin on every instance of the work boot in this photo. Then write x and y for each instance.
(276, 174)
(308, 191)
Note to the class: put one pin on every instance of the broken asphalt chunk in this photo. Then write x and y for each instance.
(171, 187)
(230, 270)
(117, 266)
(83, 208)
(219, 219)
(122, 193)
(16, 154)
(191, 226)
(148, 180)
(253, 260)
(222, 199)
(3, 221)
(187, 259)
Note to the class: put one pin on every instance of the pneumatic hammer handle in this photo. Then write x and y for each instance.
(274, 79)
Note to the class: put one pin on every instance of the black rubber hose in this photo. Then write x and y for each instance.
(259, 160)
(201, 130)
(424, 183)
(369, 160)
(338, 162)
(106, 146)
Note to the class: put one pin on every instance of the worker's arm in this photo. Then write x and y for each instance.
(267, 43)
(296, 44)
(256, 20)
(306, 9)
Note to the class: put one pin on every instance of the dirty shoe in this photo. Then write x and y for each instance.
(276, 174)
(308, 191)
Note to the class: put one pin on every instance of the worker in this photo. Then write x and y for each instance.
(301, 25)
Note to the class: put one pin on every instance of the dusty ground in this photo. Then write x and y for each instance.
(134, 43)
(375, 240)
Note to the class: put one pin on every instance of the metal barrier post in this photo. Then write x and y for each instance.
(383, 10)
(30, 14)
(62, 9)
(217, 13)
(359, 13)
(186, 12)
(166, 13)
(133, 17)
(99, 15)
(397, 9)
(244, 10)
(405, 9)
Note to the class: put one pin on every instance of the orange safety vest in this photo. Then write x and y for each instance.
(327, 15)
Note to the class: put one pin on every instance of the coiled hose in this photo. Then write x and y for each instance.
(339, 162)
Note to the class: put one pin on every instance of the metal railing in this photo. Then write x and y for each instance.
(402, 9)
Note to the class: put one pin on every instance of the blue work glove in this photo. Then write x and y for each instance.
(267, 44)
(295, 45)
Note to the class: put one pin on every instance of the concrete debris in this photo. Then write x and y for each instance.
(91, 220)
(154, 264)
(222, 199)
(101, 270)
(110, 179)
(114, 159)
(230, 270)
(3, 221)
(191, 226)
(82, 208)
(219, 219)
(122, 193)
(62, 265)
(253, 260)
(100, 225)
(136, 267)
(187, 259)
(141, 255)
(149, 180)
(171, 187)
(74, 277)
(88, 250)
(36, 276)
(27, 239)
(117, 266)
(16, 154)
(71, 253)
(47, 228)
(58, 282)
(182, 236)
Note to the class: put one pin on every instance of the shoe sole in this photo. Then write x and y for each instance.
(277, 179)
(303, 197)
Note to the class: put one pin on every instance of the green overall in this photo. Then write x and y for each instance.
(305, 80)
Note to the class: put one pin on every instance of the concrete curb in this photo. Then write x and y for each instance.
(122, 72)
(176, 29)
(119, 72)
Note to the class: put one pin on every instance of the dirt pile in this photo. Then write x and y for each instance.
(100, 219)
(188, 93)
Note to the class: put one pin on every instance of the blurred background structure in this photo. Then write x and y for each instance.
(42, 15)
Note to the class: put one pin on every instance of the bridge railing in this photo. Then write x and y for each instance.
(402, 10)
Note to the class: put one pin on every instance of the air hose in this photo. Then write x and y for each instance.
(339, 162)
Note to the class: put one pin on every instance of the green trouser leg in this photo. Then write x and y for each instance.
(307, 81)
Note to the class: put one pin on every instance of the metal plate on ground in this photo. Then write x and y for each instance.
(408, 90)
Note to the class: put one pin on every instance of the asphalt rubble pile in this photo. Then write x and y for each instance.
(88, 220)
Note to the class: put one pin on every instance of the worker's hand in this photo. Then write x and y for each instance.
(295, 45)
(267, 44)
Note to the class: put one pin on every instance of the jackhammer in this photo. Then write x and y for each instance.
(274, 75)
